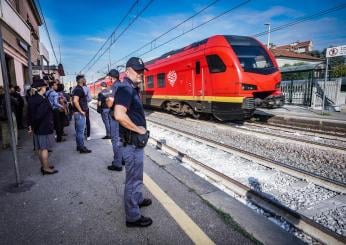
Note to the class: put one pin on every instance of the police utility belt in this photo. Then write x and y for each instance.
(132, 138)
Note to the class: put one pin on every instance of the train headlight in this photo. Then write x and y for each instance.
(245, 86)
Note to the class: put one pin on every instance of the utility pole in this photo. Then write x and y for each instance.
(268, 30)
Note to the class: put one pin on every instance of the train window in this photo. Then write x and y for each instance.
(215, 64)
(150, 81)
(161, 82)
(198, 67)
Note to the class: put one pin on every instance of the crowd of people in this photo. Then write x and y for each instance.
(121, 109)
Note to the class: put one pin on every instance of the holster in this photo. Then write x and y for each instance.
(132, 138)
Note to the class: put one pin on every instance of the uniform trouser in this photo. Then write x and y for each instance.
(57, 124)
(106, 120)
(133, 196)
(115, 138)
(5, 133)
(79, 120)
(87, 124)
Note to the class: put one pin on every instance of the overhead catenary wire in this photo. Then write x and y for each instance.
(121, 33)
(176, 37)
(294, 22)
(46, 28)
(110, 36)
(169, 30)
(302, 19)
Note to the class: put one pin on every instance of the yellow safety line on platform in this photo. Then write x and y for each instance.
(183, 220)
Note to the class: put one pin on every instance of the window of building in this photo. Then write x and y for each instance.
(150, 81)
(198, 67)
(161, 82)
(215, 64)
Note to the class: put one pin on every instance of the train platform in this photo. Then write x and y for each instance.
(304, 117)
(83, 203)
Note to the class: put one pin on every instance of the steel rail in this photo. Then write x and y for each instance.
(322, 181)
(299, 221)
(330, 133)
(291, 130)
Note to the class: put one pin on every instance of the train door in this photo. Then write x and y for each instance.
(198, 81)
(221, 76)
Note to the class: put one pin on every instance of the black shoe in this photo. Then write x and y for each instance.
(114, 168)
(44, 172)
(84, 150)
(146, 202)
(62, 140)
(142, 222)
(106, 137)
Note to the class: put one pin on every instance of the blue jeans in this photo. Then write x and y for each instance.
(79, 125)
(106, 120)
(133, 195)
(115, 138)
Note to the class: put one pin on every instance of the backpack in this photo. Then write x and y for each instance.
(3, 111)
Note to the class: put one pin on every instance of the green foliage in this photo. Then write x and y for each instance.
(339, 71)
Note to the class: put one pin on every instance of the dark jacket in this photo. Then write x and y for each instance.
(40, 115)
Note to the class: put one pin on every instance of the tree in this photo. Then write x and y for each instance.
(339, 71)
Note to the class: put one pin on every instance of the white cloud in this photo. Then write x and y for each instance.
(96, 39)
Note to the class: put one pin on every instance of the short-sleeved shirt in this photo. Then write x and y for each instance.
(128, 96)
(78, 91)
(102, 96)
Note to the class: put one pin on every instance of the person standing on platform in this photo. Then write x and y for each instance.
(134, 136)
(103, 109)
(89, 99)
(53, 98)
(40, 119)
(20, 107)
(80, 107)
(4, 120)
(113, 75)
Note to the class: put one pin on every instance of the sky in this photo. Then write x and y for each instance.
(80, 27)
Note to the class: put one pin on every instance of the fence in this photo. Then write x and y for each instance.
(309, 92)
(332, 93)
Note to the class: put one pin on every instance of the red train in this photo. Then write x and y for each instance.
(226, 76)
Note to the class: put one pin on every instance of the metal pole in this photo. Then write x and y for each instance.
(324, 86)
(8, 108)
(268, 40)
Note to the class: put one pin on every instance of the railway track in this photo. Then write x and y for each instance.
(296, 172)
(336, 143)
(315, 131)
(323, 135)
(298, 220)
(280, 134)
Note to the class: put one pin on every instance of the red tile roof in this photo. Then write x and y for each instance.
(289, 54)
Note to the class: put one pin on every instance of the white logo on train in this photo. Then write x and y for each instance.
(172, 77)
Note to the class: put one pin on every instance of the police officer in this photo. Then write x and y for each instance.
(130, 114)
(113, 75)
(103, 109)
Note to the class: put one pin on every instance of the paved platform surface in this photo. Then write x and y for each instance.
(304, 117)
(83, 203)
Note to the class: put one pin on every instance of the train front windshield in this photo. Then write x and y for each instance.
(252, 57)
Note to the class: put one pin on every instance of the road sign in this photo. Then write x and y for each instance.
(336, 51)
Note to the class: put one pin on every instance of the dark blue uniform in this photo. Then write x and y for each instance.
(114, 130)
(101, 97)
(128, 96)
